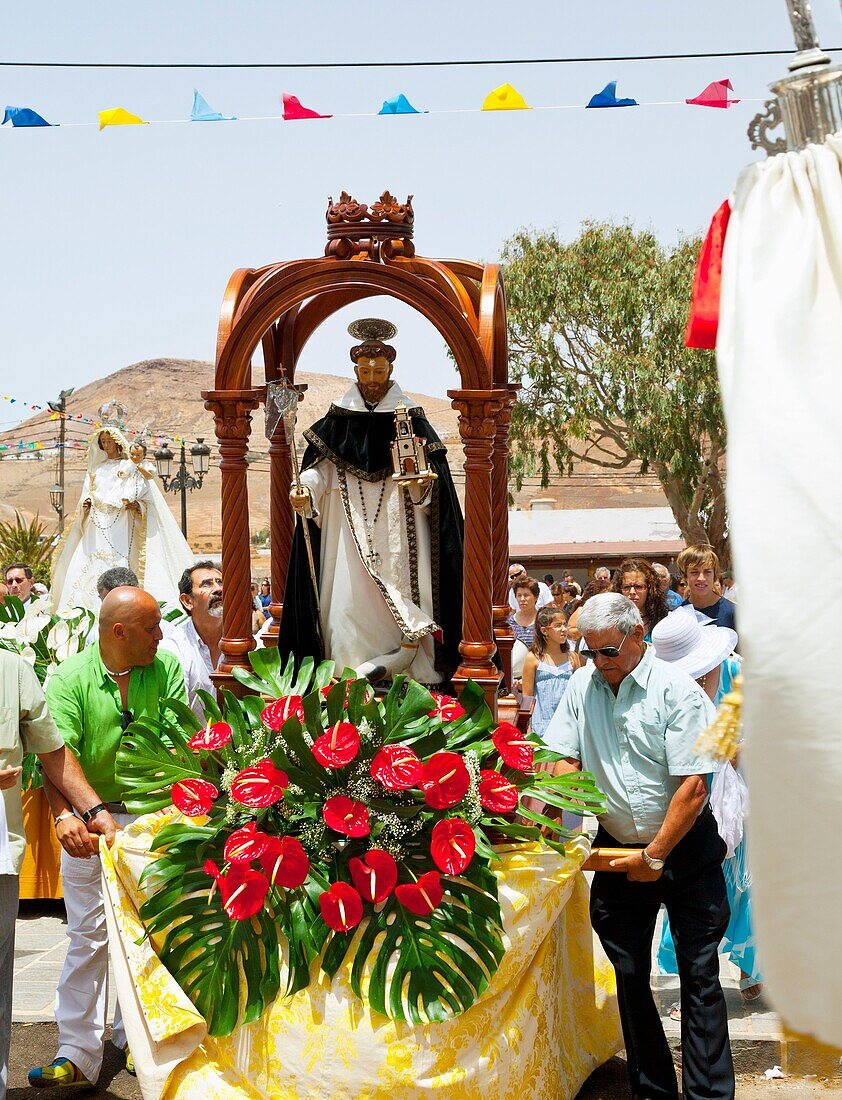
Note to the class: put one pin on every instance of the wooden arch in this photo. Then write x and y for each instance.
(279, 307)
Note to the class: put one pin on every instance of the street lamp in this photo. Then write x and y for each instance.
(57, 498)
(182, 480)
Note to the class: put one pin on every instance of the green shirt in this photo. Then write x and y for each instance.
(25, 726)
(85, 703)
(639, 743)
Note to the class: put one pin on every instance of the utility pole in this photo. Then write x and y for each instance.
(57, 494)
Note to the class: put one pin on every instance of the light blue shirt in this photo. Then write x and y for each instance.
(638, 743)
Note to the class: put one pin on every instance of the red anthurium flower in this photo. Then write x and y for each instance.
(285, 862)
(514, 748)
(341, 907)
(444, 780)
(396, 767)
(211, 737)
(452, 845)
(423, 896)
(447, 708)
(260, 785)
(375, 876)
(277, 713)
(496, 793)
(193, 797)
(338, 746)
(246, 844)
(243, 890)
(344, 815)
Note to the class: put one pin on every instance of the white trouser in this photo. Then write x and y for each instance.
(82, 996)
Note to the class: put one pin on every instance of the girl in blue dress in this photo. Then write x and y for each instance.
(548, 666)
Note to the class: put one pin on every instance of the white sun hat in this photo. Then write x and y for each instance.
(682, 640)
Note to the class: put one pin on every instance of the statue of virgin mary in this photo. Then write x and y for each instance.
(121, 519)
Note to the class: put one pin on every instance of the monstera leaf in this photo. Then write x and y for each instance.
(268, 678)
(154, 754)
(422, 969)
(211, 955)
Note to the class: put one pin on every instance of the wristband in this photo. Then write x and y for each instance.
(63, 817)
(90, 814)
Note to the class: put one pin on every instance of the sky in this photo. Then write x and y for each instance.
(117, 246)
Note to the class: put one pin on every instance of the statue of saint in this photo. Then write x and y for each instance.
(385, 529)
(122, 519)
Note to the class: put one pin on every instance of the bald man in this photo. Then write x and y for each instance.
(93, 697)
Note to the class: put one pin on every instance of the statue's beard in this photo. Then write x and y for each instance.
(374, 392)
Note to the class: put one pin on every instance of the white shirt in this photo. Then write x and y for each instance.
(196, 663)
(544, 597)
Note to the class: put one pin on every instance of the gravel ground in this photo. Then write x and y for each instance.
(35, 1044)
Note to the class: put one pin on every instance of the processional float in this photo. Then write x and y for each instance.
(369, 251)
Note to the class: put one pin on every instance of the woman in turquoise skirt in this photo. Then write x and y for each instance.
(705, 651)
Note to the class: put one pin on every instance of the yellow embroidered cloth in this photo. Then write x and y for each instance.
(548, 1018)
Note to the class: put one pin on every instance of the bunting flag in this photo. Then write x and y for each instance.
(203, 112)
(608, 98)
(505, 98)
(400, 105)
(714, 95)
(119, 116)
(703, 322)
(23, 116)
(293, 109)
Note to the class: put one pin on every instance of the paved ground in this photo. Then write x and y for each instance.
(39, 956)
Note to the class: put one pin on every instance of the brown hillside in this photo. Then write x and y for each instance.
(162, 395)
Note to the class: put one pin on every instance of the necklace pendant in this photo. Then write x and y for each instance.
(373, 559)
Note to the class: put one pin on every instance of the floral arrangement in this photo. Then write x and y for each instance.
(44, 640)
(325, 821)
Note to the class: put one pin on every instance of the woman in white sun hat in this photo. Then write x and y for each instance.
(694, 643)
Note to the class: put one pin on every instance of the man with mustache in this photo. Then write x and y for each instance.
(387, 553)
(196, 641)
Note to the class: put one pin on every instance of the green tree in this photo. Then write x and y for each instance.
(596, 331)
(27, 542)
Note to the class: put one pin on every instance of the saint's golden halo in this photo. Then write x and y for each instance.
(372, 328)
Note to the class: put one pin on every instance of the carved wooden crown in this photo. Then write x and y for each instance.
(379, 232)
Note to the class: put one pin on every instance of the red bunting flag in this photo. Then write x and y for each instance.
(294, 109)
(715, 95)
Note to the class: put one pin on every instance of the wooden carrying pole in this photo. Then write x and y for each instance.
(600, 858)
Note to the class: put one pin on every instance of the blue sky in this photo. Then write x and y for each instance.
(117, 246)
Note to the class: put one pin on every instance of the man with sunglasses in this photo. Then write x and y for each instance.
(93, 697)
(633, 721)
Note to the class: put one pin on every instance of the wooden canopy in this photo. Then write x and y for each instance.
(369, 252)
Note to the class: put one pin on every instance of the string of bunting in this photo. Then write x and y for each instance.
(77, 418)
(505, 98)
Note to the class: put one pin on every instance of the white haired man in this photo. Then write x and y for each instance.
(673, 600)
(633, 721)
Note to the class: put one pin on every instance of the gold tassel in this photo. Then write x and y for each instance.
(722, 736)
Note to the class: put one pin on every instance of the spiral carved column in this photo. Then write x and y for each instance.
(232, 411)
(503, 634)
(281, 526)
(478, 411)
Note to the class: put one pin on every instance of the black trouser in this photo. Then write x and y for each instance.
(623, 915)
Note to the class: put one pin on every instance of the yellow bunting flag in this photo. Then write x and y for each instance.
(119, 116)
(505, 98)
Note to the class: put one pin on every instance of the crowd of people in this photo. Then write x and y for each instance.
(624, 676)
(624, 673)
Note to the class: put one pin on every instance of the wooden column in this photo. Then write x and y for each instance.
(232, 411)
(281, 527)
(478, 411)
(501, 610)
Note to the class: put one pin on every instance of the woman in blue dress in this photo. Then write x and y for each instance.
(705, 651)
(548, 666)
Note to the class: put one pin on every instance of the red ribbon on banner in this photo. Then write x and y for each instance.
(703, 322)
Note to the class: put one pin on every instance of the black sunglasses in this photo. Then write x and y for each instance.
(606, 651)
(126, 719)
